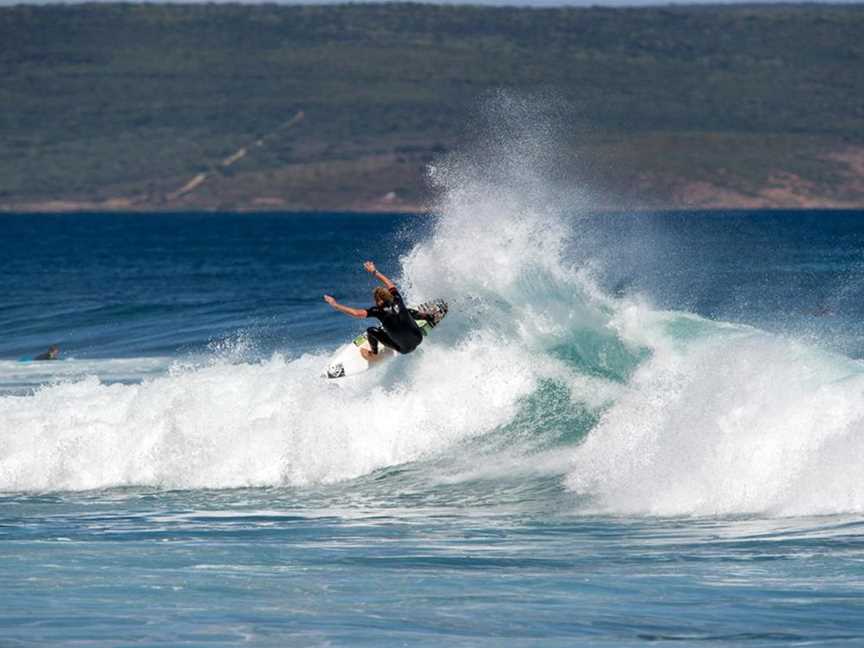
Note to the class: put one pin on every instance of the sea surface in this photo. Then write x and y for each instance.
(632, 429)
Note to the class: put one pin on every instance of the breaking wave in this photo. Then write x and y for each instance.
(537, 374)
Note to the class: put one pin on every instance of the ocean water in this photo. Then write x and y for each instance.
(631, 429)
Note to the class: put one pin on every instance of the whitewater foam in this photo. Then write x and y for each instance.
(728, 421)
(272, 423)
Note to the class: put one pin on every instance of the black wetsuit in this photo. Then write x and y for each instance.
(400, 331)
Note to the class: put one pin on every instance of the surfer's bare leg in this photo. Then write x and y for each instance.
(369, 356)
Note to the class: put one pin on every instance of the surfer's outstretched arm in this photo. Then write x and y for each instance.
(371, 269)
(359, 313)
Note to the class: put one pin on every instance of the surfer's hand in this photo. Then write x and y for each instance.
(329, 299)
(370, 267)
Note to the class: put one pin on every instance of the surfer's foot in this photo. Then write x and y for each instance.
(368, 355)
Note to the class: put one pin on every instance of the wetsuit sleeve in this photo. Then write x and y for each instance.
(397, 296)
(373, 312)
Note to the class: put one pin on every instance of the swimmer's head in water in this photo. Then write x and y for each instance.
(53, 351)
(382, 296)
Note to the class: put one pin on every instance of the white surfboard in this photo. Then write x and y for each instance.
(348, 361)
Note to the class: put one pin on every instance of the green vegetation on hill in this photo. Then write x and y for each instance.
(101, 101)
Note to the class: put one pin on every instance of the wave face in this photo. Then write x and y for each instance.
(537, 375)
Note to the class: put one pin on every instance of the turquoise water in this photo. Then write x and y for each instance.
(630, 429)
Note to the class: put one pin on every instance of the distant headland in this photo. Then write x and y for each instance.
(121, 107)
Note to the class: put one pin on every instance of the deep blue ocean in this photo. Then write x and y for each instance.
(631, 429)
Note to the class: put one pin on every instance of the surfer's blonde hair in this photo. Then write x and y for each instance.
(382, 294)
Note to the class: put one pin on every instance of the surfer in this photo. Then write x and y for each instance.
(398, 329)
(53, 353)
